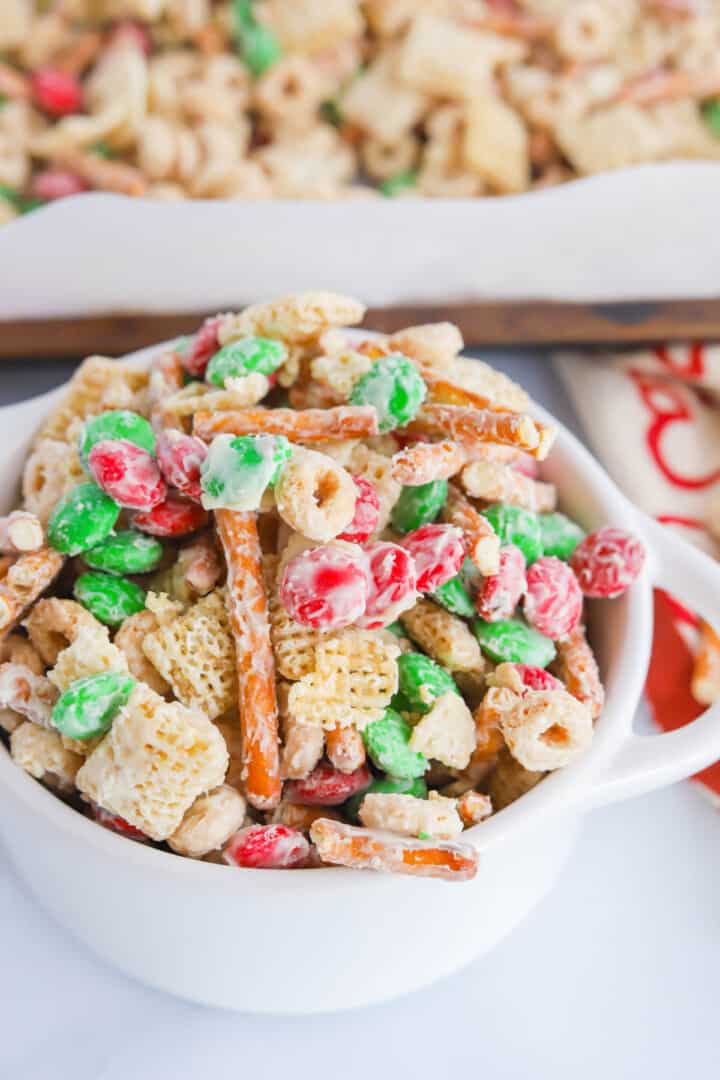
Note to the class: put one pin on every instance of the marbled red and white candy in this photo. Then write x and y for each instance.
(438, 552)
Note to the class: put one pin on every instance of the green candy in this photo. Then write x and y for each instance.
(516, 526)
(399, 183)
(109, 599)
(386, 785)
(257, 44)
(454, 596)
(115, 424)
(420, 682)
(394, 387)
(513, 641)
(82, 519)
(419, 505)
(331, 112)
(559, 535)
(710, 111)
(126, 552)
(242, 357)
(387, 743)
(238, 469)
(88, 706)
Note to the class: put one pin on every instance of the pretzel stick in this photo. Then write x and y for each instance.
(499, 483)
(80, 54)
(657, 86)
(481, 541)
(577, 667)
(166, 378)
(309, 425)
(443, 392)
(705, 685)
(13, 84)
(474, 807)
(248, 614)
(25, 580)
(424, 462)
(346, 845)
(468, 425)
(345, 748)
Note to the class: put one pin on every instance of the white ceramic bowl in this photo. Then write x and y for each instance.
(314, 940)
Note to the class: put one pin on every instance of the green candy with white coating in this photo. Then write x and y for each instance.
(387, 742)
(126, 552)
(109, 599)
(513, 641)
(238, 469)
(559, 535)
(421, 682)
(419, 505)
(386, 785)
(516, 526)
(394, 387)
(243, 357)
(455, 598)
(115, 424)
(82, 519)
(88, 707)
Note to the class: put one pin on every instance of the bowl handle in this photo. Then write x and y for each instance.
(645, 762)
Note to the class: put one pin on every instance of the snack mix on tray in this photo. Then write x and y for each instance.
(254, 99)
(292, 596)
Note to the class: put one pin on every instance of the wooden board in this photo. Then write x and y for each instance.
(488, 323)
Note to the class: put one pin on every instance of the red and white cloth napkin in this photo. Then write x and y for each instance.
(653, 419)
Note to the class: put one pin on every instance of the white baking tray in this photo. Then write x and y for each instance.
(643, 233)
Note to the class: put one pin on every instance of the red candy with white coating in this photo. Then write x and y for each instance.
(438, 552)
(176, 516)
(537, 678)
(180, 457)
(325, 588)
(326, 786)
(553, 600)
(54, 184)
(500, 593)
(117, 824)
(393, 584)
(204, 345)
(607, 562)
(127, 473)
(267, 847)
(367, 513)
(56, 92)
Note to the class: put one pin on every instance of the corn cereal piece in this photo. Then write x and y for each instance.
(339, 372)
(433, 345)
(435, 816)
(154, 762)
(33, 696)
(91, 653)
(129, 640)
(509, 781)
(354, 679)
(546, 729)
(494, 482)
(496, 145)
(18, 650)
(302, 747)
(378, 469)
(295, 319)
(26, 580)
(446, 733)
(482, 379)
(443, 636)
(53, 624)
(195, 653)
(41, 753)
(382, 104)
(52, 469)
(97, 385)
(209, 823)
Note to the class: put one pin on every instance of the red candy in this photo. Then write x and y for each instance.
(180, 457)
(553, 601)
(127, 473)
(325, 588)
(438, 553)
(393, 584)
(367, 513)
(204, 345)
(174, 517)
(53, 184)
(500, 593)
(56, 92)
(117, 824)
(536, 678)
(325, 786)
(267, 847)
(527, 465)
(607, 562)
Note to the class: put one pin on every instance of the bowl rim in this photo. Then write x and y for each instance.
(557, 793)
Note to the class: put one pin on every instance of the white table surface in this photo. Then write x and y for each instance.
(614, 976)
